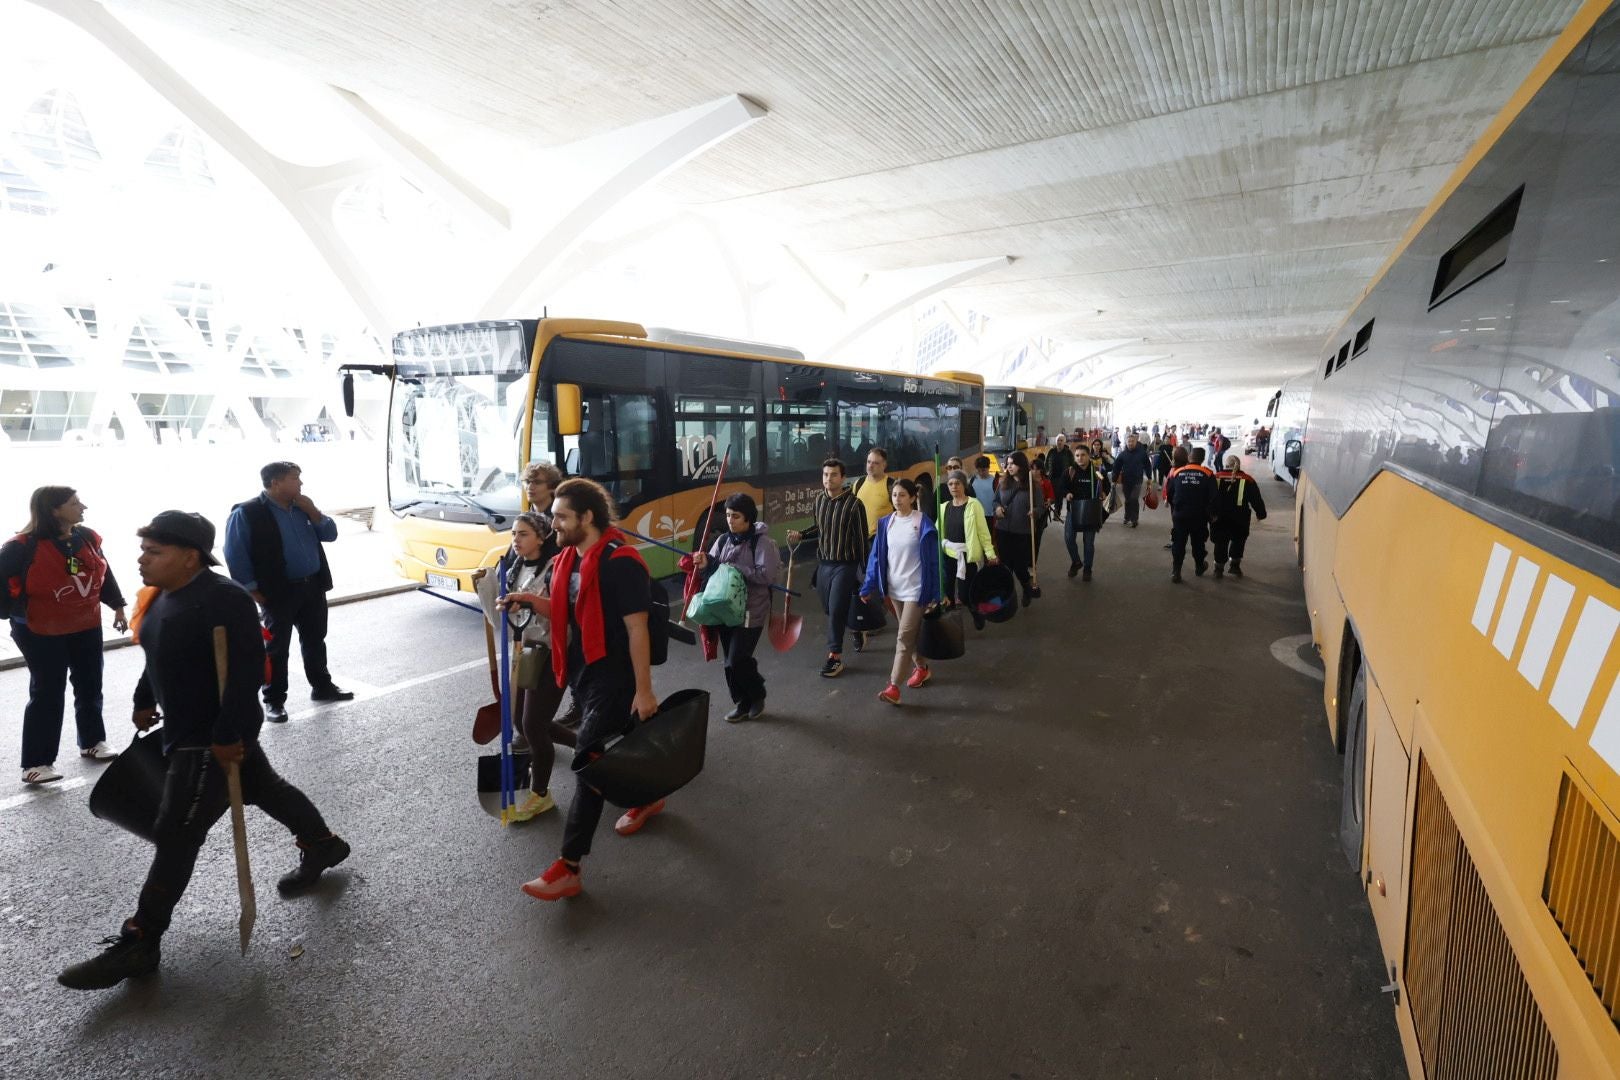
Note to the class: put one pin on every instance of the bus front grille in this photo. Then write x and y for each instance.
(1582, 891)
(1473, 1011)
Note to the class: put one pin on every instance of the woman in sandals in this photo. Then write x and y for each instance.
(904, 567)
(55, 580)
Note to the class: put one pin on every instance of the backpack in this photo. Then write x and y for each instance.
(14, 591)
(723, 601)
(657, 615)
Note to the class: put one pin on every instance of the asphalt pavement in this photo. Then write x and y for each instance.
(1100, 845)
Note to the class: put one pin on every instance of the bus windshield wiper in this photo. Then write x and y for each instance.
(490, 516)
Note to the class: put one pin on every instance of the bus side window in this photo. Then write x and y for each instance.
(615, 444)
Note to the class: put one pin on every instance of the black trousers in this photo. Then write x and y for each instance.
(957, 590)
(1182, 530)
(1015, 554)
(303, 608)
(194, 797)
(1133, 502)
(837, 582)
(743, 679)
(604, 700)
(52, 659)
(1228, 544)
(537, 719)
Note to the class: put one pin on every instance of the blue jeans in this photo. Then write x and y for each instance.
(836, 581)
(1089, 540)
(51, 658)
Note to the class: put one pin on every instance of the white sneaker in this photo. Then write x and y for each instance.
(101, 752)
(41, 774)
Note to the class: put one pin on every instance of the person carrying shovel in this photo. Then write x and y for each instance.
(206, 728)
(746, 545)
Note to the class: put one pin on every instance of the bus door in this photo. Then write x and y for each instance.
(715, 416)
(623, 418)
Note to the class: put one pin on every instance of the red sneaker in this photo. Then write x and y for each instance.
(919, 677)
(890, 693)
(558, 881)
(633, 820)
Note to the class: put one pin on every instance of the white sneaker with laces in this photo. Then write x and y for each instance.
(41, 774)
(100, 752)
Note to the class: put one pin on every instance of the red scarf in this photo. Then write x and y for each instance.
(592, 623)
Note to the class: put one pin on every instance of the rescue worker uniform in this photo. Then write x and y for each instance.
(1190, 491)
(1237, 499)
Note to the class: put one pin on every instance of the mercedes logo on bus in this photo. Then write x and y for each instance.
(441, 557)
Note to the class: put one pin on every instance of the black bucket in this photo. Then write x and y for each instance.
(489, 780)
(130, 790)
(866, 617)
(941, 636)
(994, 594)
(651, 760)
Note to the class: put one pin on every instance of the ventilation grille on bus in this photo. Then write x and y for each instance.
(1474, 1013)
(1583, 891)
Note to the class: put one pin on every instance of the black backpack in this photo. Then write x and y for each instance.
(14, 591)
(657, 615)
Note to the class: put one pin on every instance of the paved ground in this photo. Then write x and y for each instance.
(1101, 845)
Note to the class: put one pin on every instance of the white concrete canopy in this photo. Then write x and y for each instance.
(1216, 182)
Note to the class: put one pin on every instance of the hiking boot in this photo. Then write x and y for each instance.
(890, 693)
(1220, 570)
(1074, 568)
(919, 677)
(833, 668)
(757, 709)
(1200, 567)
(1175, 576)
(312, 859)
(1237, 569)
(558, 880)
(633, 820)
(128, 956)
(738, 711)
(1085, 575)
(533, 806)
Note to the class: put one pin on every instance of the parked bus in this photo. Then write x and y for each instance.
(1015, 417)
(649, 414)
(1285, 416)
(1460, 531)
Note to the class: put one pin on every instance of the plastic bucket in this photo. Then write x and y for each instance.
(994, 595)
(130, 790)
(941, 636)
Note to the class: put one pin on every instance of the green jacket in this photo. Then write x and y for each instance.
(974, 527)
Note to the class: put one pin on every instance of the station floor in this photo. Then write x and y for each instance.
(1102, 844)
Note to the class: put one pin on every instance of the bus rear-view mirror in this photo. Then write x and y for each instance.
(569, 420)
(1292, 454)
(348, 393)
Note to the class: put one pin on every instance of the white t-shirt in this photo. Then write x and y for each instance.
(905, 556)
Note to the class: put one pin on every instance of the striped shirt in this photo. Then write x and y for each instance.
(840, 529)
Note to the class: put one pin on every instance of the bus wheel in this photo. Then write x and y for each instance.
(1353, 798)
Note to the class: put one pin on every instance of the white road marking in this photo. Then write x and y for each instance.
(1593, 634)
(1490, 588)
(1286, 652)
(42, 791)
(1555, 600)
(1523, 584)
(362, 692)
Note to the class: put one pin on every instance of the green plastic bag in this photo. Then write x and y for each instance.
(723, 601)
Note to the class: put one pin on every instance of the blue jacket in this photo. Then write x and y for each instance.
(877, 564)
(1130, 466)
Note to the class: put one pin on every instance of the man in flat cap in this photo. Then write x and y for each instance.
(205, 726)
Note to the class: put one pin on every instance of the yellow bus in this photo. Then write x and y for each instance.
(1030, 418)
(649, 413)
(1459, 524)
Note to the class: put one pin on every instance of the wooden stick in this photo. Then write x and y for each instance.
(233, 784)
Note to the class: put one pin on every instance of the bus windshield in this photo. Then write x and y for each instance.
(1000, 433)
(460, 395)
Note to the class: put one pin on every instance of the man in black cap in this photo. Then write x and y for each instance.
(273, 548)
(205, 726)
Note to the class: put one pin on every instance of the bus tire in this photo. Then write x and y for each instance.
(1353, 797)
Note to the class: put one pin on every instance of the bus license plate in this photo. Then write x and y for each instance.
(441, 581)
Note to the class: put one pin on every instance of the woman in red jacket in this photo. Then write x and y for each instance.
(55, 580)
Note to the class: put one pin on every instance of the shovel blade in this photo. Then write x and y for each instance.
(487, 723)
(784, 631)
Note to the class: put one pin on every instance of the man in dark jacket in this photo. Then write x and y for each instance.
(211, 718)
(273, 548)
(1131, 469)
(1190, 491)
(1059, 460)
(1237, 496)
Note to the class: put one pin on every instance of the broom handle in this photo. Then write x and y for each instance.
(1034, 574)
